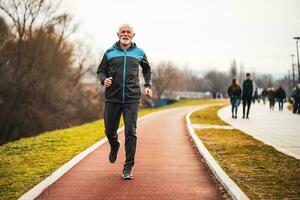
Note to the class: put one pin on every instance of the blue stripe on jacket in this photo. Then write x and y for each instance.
(136, 53)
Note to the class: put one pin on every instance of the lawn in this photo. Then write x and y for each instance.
(28, 161)
(260, 170)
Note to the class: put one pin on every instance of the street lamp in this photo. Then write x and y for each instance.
(293, 69)
(297, 39)
(289, 79)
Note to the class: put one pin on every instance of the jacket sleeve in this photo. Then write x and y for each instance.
(240, 92)
(146, 70)
(102, 69)
(253, 88)
(229, 91)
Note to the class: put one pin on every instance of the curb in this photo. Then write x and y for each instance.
(40, 187)
(235, 192)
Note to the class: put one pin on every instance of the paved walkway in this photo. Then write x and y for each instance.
(167, 167)
(281, 129)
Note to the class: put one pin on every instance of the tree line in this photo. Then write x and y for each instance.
(167, 76)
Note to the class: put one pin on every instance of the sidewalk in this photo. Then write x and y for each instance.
(167, 167)
(278, 129)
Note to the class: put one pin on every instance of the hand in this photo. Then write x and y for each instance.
(107, 82)
(148, 92)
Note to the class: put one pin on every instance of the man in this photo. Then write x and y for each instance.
(119, 73)
(248, 92)
(280, 96)
(296, 99)
(271, 97)
(264, 94)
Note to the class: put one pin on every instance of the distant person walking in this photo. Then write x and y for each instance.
(280, 95)
(119, 73)
(264, 95)
(248, 92)
(271, 97)
(234, 92)
(255, 96)
(296, 99)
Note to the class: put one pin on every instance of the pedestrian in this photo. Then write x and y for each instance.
(296, 99)
(255, 96)
(118, 72)
(271, 97)
(234, 92)
(264, 95)
(247, 94)
(280, 96)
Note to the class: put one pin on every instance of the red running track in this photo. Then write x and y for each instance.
(167, 167)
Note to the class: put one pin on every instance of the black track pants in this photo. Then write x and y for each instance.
(112, 116)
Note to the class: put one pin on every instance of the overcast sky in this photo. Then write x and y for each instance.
(198, 34)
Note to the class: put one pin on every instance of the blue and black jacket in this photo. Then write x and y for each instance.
(123, 66)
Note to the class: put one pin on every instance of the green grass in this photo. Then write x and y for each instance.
(28, 161)
(205, 116)
(260, 170)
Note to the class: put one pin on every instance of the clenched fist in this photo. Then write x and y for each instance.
(107, 82)
(148, 92)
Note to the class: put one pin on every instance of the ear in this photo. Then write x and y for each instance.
(118, 34)
(133, 35)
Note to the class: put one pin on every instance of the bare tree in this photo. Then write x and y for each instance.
(233, 69)
(167, 77)
(24, 15)
(187, 81)
(216, 81)
(242, 73)
(84, 65)
(264, 80)
(164, 77)
(4, 39)
(32, 87)
(37, 71)
(4, 33)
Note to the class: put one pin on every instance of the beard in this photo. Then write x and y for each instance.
(125, 41)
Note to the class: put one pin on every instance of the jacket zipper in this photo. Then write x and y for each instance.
(124, 74)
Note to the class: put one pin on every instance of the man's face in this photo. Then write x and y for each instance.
(125, 35)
